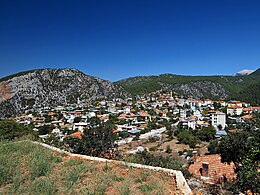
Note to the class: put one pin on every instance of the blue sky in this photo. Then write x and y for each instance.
(115, 39)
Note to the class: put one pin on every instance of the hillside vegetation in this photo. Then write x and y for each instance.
(214, 87)
(250, 94)
(10, 130)
(27, 168)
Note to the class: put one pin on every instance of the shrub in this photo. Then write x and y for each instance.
(168, 149)
(147, 158)
(153, 139)
(107, 168)
(10, 130)
(153, 148)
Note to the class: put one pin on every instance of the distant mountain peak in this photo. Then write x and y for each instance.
(244, 72)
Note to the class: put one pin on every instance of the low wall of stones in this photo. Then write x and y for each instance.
(182, 185)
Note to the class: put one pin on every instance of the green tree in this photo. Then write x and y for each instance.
(243, 149)
(216, 105)
(123, 134)
(250, 94)
(170, 134)
(94, 121)
(73, 144)
(45, 129)
(10, 130)
(47, 119)
(77, 119)
(152, 125)
(186, 137)
(96, 141)
(53, 140)
(213, 146)
(113, 118)
(206, 133)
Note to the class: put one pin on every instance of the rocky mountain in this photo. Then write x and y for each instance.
(244, 72)
(214, 87)
(200, 89)
(51, 87)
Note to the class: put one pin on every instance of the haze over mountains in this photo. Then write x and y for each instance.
(52, 87)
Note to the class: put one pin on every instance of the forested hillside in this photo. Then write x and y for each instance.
(214, 87)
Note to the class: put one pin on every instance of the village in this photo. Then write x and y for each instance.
(152, 123)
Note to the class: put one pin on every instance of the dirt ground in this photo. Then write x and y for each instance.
(120, 179)
(162, 145)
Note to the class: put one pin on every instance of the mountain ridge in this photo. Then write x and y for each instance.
(34, 89)
(52, 87)
(215, 87)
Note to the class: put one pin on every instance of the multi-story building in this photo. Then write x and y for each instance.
(234, 110)
(218, 118)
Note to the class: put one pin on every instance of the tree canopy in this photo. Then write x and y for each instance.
(243, 149)
(96, 141)
(10, 130)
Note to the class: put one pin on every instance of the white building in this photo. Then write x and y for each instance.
(80, 126)
(183, 113)
(218, 118)
(197, 113)
(192, 124)
(126, 127)
(91, 114)
(235, 110)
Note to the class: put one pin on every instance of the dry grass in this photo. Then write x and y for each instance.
(26, 168)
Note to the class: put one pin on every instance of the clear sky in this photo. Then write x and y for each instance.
(115, 39)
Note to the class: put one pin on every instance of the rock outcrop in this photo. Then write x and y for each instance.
(52, 87)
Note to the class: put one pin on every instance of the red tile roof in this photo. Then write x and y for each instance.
(144, 114)
(116, 131)
(123, 116)
(232, 130)
(252, 108)
(76, 134)
(52, 114)
(247, 116)
(234, 107)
